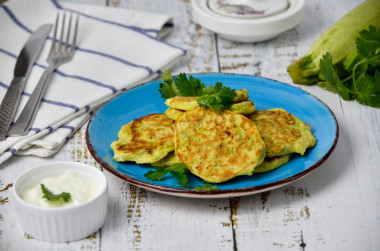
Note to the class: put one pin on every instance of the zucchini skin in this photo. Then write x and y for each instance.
(339, 40)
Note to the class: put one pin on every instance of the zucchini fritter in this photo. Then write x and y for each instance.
(182, 103)
(282, 132)
(178, 105)
(168, 160)
(272, 163)
(241, 104)
(244, 107)
(218, 146)
(241, 95)
(145, 140)
(173, 113)
(268, 164)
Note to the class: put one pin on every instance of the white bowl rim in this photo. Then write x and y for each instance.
(60, 209)
(295, 6)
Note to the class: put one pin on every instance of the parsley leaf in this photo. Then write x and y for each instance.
(158, 174)
(372, 34)
(178, 170)
(191, 87)
(168, 87)
(218, 97)
(331, 76)
(369, 90)
(368, 43)
(351, 60)
(215, 96)
(362, 66)
(327, 86)
(54, 197)
(207, 187)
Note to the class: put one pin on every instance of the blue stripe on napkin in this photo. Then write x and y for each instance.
(3, 85)
(52, 102)
(97, 83)
(134, 28)
(71, 128)
(148, 69)
(37, 130)
(50, 128)
(11, 150)
(14, 18)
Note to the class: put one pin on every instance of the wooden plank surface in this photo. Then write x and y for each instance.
(335, 208)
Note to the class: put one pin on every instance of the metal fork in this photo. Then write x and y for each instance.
(60, 53)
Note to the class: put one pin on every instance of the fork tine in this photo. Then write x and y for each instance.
(72, 48)
(54, 40)
(62, 31)
(68, 33)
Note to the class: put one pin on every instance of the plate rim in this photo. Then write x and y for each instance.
(208, 193)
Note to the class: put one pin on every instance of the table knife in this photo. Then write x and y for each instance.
(24, 64)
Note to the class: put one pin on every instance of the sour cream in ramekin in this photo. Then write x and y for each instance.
(44, 220)
(80, 189)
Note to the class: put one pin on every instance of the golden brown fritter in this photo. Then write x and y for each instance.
(173, 113)
(217, 146)
(282, 132)
(271, 163)
(244, 107)
(241, 95)
(241, 105)
(182, 103)
(145, 140)
(169, 159)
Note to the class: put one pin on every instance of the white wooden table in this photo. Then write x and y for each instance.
(337, 207)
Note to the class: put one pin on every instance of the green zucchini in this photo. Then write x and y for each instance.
(339, 40)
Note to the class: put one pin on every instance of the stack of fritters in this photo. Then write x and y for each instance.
(215, 145)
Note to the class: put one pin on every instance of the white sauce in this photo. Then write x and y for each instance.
(80, 189)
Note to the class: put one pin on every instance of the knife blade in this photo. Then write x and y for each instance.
(24, 64)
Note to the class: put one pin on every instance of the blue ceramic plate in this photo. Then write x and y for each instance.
(265, 93)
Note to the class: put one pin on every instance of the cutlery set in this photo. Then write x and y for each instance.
(61, 52)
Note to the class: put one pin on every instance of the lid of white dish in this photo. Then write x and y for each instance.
(248, 8)
(257, 23)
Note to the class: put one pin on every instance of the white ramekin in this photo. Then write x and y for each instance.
(61, 224)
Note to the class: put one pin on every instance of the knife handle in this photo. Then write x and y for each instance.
(9, 105)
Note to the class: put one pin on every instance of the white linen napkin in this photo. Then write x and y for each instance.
(116, 49)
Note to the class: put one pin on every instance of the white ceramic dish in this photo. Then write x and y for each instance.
(248, 29)
(248, 8)
(67, 223)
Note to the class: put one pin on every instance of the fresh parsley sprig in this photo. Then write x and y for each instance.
(178, 170)
(215, 96)
(363, 68)
(218, 97)
(168, 87)
(189, 87)
(207, 187)
(47, 194)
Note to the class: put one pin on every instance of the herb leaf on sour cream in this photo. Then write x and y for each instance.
(54, 197)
